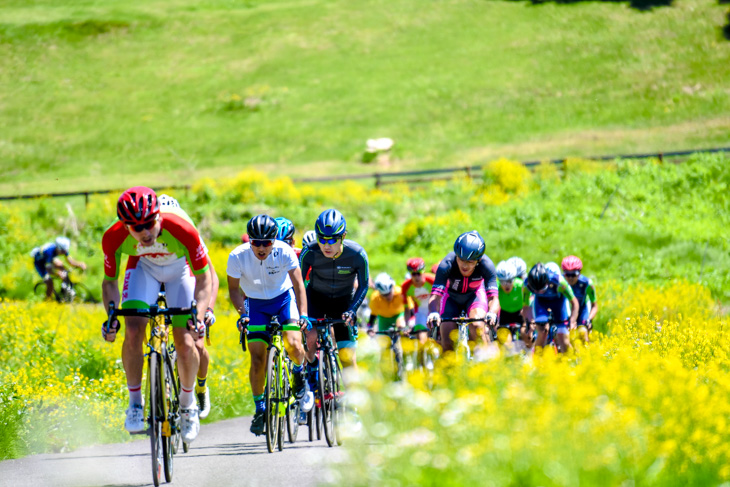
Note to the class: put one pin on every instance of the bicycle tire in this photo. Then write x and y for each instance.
(155, 416)
(311, 423)
(339, 411)
(168, 442)
(271, 394)
(40, 290)
(326, 386)
(282, 399)
(83, 294)
(292, 414)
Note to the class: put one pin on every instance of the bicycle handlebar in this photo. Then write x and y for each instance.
(151, 312)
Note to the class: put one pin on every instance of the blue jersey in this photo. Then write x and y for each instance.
(584, 291)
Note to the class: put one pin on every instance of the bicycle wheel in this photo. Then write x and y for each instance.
(156, 417)
(272, 406)
(326, 387)
(40, 290)
(339, 410)
(311, 422)
(282, 400)
(83, 294)
(292, 413)
(172, 434)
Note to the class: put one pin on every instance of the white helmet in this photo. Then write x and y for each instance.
(309, 238)
(167, 200)
(384, 283)
(64, 244)
(520, 266)
(506, 271)
(553, 267)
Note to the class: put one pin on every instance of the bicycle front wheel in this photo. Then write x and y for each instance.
(327, 398)
(171, 436)
(272, 395)
(83, 294)
(156, 417)
(292, 412)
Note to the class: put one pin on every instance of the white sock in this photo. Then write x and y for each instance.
(135, 395)
(187, 398)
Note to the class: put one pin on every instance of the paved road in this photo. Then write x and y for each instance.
(224, 454)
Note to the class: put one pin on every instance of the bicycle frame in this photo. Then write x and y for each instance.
(330, 378)
(461, 347)
(164, 415)
(397, 350)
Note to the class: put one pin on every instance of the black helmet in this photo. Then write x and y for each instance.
(469, 246)
(331, 224)
(262, 227)
(538, 278)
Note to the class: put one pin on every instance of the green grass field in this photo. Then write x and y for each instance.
(102, 94)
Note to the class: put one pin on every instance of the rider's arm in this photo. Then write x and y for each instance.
(299, 292)
(236, 294)
(363, 279)
(215, 284)
(591, 294)
(109, 292)
(526, 308)
(76, 263)
(494, 306)
(202, 292)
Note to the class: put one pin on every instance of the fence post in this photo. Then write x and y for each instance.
(86, 200)
(468, 171)
(378, 182)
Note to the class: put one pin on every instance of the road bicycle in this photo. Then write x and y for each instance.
(163, 383)
(65, 290)
(396, 356)
(461, 347)
(281, 405)
(329, 383)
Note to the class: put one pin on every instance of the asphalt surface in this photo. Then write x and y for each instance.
(225, 453)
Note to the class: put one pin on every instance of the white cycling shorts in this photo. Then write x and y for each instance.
(142, 281)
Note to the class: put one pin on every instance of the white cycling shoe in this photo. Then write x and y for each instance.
(134, 423)
(189, 424)
(203, 403)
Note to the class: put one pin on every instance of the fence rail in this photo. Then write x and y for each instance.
(382, 178)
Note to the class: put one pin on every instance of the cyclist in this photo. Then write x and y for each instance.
(584, 292)
(510, 303)
(202, 392)
(552, 294)
(337, 284)
(47, 262)
(388, 305)
(285, 233)
(417, 289)
(520, 267)
(309, 238)
(163, 247)
(466, 281)
(263, 281)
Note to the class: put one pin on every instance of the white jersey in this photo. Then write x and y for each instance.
(263, 279)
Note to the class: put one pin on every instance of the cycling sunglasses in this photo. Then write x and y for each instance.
(572, 274)
(328, 241)
(262, 243)
(416, 273)
(143, 226)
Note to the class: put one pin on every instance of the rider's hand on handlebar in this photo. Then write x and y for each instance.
(491, 318)
(243, 320)
(198, 327)
(349, 318)
(573, 324)
(304, 323)
(209, 317)
(110, 335)
(434, 319)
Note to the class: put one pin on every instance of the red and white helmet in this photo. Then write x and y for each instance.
(571, 263)
(416, 264)
(138, 205)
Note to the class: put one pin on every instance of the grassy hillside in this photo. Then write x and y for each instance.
(104, 94)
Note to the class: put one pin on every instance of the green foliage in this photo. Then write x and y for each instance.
(101, 94)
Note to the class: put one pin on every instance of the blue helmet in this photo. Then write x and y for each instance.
(286, 229)
(331, 224)
(469, 246)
